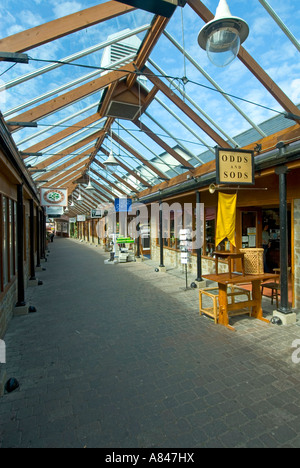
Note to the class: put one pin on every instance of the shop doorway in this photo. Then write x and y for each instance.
(250, 228)
(271, 223)
(145, 240)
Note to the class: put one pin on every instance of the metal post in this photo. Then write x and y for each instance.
(199, 256)
(161, 235)
(138, 227)
(20, 247)
(32, 269)
(43, 234)
(284, 305)
(38, 246)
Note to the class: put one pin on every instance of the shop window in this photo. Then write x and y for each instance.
(11, 238)
(210, 215)
(8, 225)
(210, 231)
(172, 222)
(15, 236)
(249, 234)
(4, 242)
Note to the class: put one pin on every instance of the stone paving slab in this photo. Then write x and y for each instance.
(117, 356)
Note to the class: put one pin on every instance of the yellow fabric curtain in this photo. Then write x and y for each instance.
(226, 218)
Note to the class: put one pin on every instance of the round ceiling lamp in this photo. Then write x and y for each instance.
(79, 198)
(89, 186)
(111, 160)
(222, 37)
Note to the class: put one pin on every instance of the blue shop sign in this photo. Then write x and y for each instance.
(123, 204)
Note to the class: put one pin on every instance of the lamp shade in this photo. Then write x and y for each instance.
(222, 37)
(111, 160)
(89, 186)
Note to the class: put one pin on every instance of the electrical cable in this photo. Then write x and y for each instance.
(183, 79)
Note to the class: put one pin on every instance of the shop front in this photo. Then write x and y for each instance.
(257, 227)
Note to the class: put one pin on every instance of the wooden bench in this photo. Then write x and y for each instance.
(214, 310)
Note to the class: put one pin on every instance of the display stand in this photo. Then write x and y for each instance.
(121, 251)
(185, 252)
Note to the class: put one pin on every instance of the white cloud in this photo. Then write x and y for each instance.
(30, 19)
(66, 8)
(295, 90)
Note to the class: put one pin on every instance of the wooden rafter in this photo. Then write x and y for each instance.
(61, 135)
(62, 182)
(251, 64)
(128, 170)
(164, 145)
(106, 189)
(64, 167)
(157, 28)
(131, 150)
(61, 27)
(110, 183)
(80, 166)
(267, 143)
(113, 174)
(186, 109)
(71, 97)
(47, 162)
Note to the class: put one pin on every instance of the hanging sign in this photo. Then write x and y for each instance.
(54, 197)
(81, 218)
(97, 213)
(54, 211)
(123, 205)
(234, 166)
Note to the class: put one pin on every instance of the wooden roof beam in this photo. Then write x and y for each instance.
(268, 143)
(71, 97)
(137, 155)
(113, 174)
(110, 183)
(100, 185)
(61, 135)
(64, 166)
(164, 145)
(47, 162)
(186, 109)
(158, 25)
(79, 167)
(61, 27)
(128, 170)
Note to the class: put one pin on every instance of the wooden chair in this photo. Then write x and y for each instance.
(274, 286)
(213, 311)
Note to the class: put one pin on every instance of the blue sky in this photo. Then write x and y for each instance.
(266, 43)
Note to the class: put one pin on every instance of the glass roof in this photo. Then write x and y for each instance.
(58, 89)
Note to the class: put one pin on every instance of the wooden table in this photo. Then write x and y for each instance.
(224, 279)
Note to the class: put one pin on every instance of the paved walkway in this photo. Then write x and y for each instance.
(117, 356)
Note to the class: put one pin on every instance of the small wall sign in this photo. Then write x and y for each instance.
(54, 197)
(234, 166)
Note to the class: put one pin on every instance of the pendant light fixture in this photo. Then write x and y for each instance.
(89, 186)
(79, 198)
(111, 161)
(222, 37)
(72, 202)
